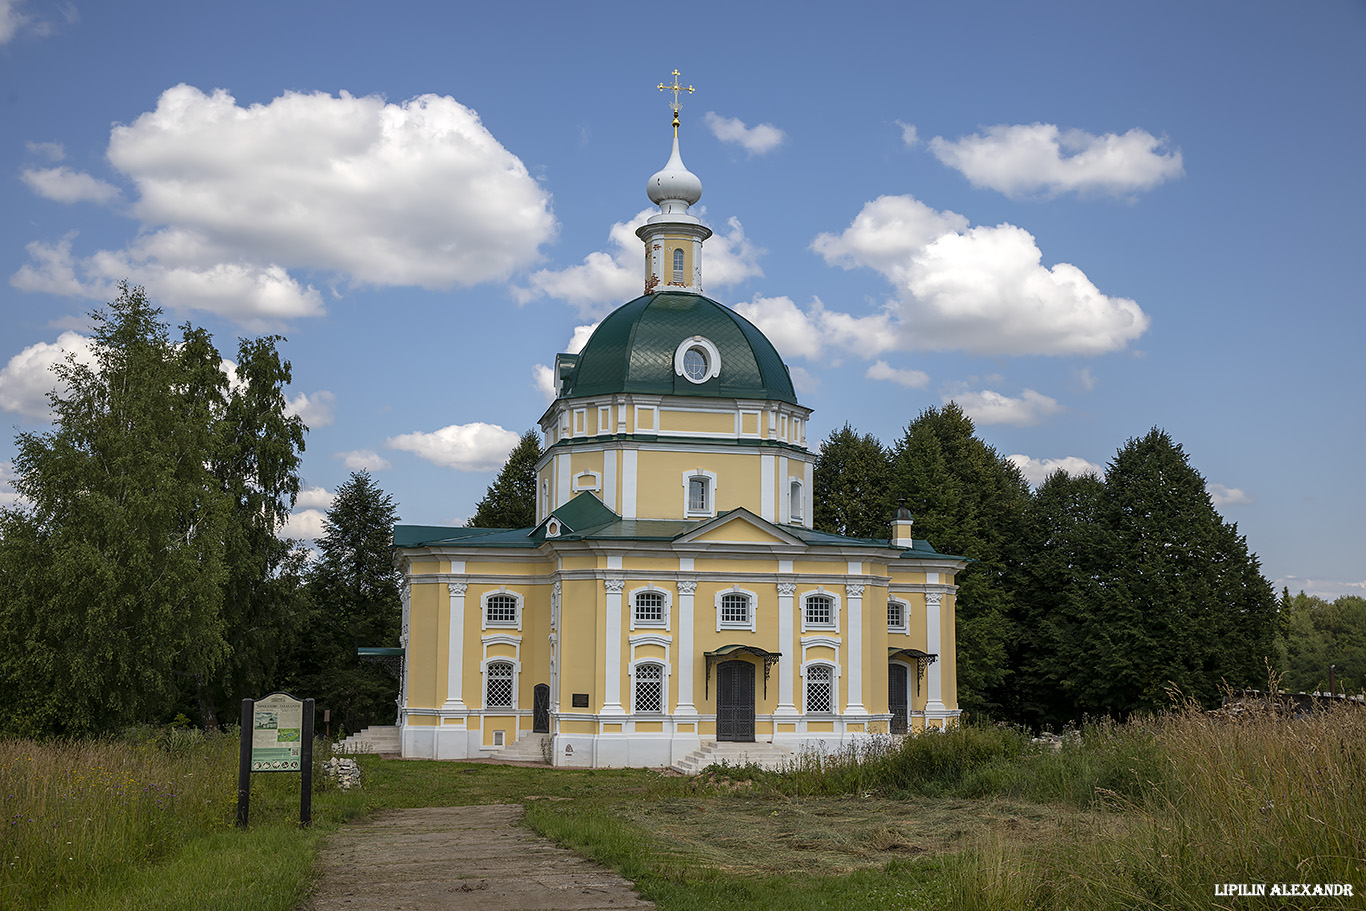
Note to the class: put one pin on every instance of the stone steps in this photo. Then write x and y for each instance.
(529, 748)
(764, 755)
(380, 738)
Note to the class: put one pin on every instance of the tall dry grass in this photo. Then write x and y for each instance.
(1260, 797)
(75, 811)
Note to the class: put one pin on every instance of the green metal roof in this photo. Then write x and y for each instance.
(632, 350)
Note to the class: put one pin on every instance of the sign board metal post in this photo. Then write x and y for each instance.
(277, 736)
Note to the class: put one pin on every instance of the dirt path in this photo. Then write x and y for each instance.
(459, 858)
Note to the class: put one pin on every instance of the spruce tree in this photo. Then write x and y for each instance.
(850, 486)
(510, 501)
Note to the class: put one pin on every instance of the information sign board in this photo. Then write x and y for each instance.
(277, 724)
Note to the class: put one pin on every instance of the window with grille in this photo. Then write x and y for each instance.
(820, 611)
(697, 495)
(820, 690)
(499, 694)
(649, 688)
(678, 265)
(501, 610)
(735, 609)
(650, 608)
(896, 615)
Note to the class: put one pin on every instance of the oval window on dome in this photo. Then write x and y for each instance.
(695, 364)
(697, 360)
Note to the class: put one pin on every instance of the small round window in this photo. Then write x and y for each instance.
(695, 364)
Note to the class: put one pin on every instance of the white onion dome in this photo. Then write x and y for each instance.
(674, 188)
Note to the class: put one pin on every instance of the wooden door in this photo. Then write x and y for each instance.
(735, 701)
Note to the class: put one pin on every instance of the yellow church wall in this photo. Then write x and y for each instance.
(737, 481)
(570, 564)
(720, 566)
(426, 644)
(696, 422)
(637, 564)
(422, 720)
(426, 567)
(505, 723)
(577, 727)
(582, 613)
(580, 462)
(738, 531)
(948, 634)
(749, 424)
(649, 727)
(507, 568)
(649, 652)
(821, 727)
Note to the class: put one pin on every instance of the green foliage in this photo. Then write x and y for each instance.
(354, 588)
(510, 501)
(968, 499)
(1312, 634)
(112, 582)
(850, 484)
(145, 568)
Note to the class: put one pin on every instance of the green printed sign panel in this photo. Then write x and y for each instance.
(277, 725)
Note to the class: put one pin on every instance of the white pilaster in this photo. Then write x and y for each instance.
(686, 590)
(628, 483)
(609, 475)
(563, 487)
(855, 601)
(787, 642)
(455, 663)
(612, 649)
(934, 696)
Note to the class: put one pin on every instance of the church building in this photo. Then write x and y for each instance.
(673, 591)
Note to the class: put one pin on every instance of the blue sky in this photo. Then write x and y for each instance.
(1077, 220)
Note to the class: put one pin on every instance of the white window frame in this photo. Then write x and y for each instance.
(796, 497)
(708, 349)
(484, 609)
(834, 681)
(709, 478)
(580, 422)
(604, 419)
(732, 624)
(680, 265)
(663, 686)
(834, 625)
(511, 705)
(515, 661)
(636, 622)
(905, 625)
(593, 481)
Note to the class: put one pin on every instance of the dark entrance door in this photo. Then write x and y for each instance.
(735, 701)
(896, 697)
(540, 709)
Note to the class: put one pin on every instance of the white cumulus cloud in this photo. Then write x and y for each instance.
(9, 497)
(1223, 496)
(464, 447)
(65, 185)
(608, 278)
(305, 524)
(52, 151)
(989, 407)
(363, 460)
(1036, 471)
(909, 134)
(315, 409)
(1039, 158)
(232, 197)
(981, 289)
(314, 497)
(911, 379)
(543, 378)
(756, 140)
(28, 378)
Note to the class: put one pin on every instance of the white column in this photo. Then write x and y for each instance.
(686, 590)
(787, 642)
(455, 661)
(855, 599)
(612, 650)
(935, 697)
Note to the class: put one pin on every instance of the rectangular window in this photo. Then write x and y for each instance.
(499, 685)
(649, 688)
(819, 689)
(697, 495)
(896, 615)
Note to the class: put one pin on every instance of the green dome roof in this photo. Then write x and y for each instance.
(633, 349)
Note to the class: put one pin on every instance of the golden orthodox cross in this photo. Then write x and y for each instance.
(675, 88)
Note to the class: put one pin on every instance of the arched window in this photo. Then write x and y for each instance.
(697, 495)
(735, 609)
(820, 690)
(649, 607)
(678, 264)
(498, 689)
(820, 610)
(500, 610)
(896, 616)
(794, 506)
(649, 688)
